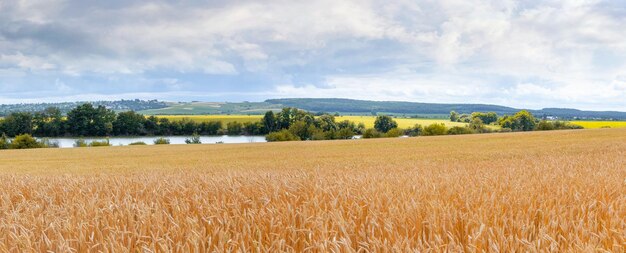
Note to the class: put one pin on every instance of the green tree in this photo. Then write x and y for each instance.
(18, 123)
(486, 118)
(521, 121)
(269, 122)
(48, 122)
(5, 143)
(129, 123)
(86, 120)
(234, 128)
(454, 116)
(384, 123)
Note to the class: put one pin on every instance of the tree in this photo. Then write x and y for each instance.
(18, 123)
(269, 122)
(521, 121)
(85, 120)
(234, 128)
(5, 143)
(384, 123)
(48, 122)
(129, 123)
(454, 116)
(486, 118)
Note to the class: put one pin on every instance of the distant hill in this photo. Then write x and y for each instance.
(119, 105)
(329, 105)
(365, 106)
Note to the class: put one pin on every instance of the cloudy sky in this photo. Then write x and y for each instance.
(531, 54)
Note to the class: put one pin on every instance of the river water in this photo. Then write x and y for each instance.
(149, 140)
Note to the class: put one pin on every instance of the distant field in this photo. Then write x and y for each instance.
(225, 119)
(600, 124)
(558, 191)
(200, 108)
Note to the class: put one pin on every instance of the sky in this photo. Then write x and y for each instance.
(526, 54)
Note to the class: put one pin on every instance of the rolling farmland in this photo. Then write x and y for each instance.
(489, 192)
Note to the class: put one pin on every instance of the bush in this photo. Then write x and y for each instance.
(282, 135)
(46, 143)
(460, 130)
(80, 143)
(344, 134)
(103, 143)
(371, 133)
(394, 132)
(545, 125)
(161, 141)
(194, 139)
(25, 141)
(416, 130)
(137, 143)
(435, 129)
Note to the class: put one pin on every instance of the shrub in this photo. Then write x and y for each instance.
(435, 129)
(46, 143)
(282, 135)
(460, 130)
(194, 139)
(25, 141)
(394, 132)
(103, 143)
(344, 134)
(137, 143)
(416, 130)
(80, 143)
(161, 141)
(371, 133)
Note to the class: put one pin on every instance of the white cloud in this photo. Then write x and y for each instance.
(541, 53)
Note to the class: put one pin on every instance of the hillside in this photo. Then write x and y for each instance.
(366, 106)
(119, 105)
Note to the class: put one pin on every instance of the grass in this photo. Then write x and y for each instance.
(558, 191)
(600, 124)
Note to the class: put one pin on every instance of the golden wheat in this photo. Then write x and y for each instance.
(525, 192)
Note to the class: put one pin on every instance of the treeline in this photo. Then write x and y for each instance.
(87, 120)
(520, 121)
(64, 107)
(292, 124)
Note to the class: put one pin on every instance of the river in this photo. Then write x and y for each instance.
(123, 141)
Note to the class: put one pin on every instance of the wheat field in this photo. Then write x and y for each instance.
(559, 191)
